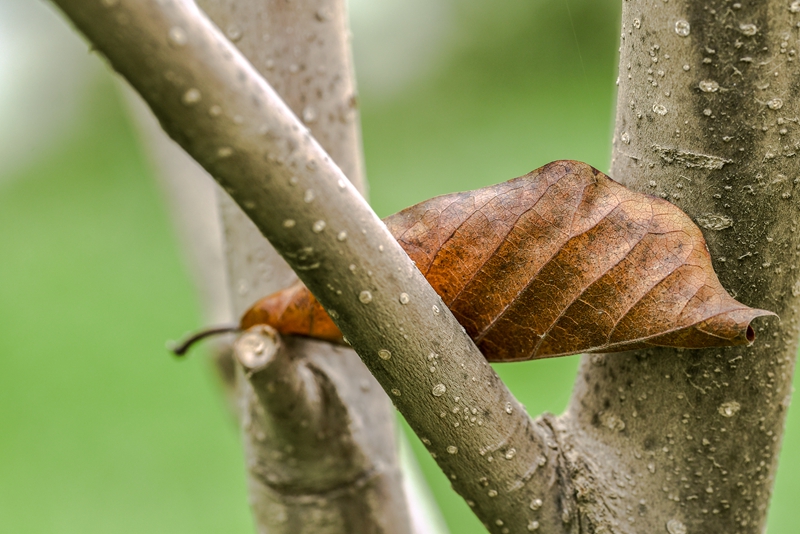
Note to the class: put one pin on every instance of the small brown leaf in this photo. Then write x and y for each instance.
(559, 261)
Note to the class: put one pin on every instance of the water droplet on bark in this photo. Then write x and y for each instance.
(675, 527)
(708, 86)
(309, 114)
(748, 29)
(191, 97)
(714, 221)
(177, 36)
(729, 409)
(233, 32)
(775, 103)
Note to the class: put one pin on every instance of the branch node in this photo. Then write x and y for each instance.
(257, 347)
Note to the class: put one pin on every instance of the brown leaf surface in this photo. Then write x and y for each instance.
(559, 261)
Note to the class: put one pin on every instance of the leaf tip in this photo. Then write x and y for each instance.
(755, 313)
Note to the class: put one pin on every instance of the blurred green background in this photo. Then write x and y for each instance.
(100, 430)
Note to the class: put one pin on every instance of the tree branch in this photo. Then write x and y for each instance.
(503, 463)
(278, 43)
(302, 47)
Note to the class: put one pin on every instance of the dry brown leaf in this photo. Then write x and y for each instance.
(559, 261)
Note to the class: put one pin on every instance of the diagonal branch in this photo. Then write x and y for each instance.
(501, 461)
(302, 48)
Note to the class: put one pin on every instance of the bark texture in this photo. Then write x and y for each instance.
(297, 483)
(653, 441)
(212, 101)
(707, 117)
(315, 36)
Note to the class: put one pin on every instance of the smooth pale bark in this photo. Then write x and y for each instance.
(302, 49)
(655, 441)
(210, 100)
(688, 441)
(192, 200)
(325, 63)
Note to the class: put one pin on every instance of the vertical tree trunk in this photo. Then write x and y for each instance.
(707, 117)
(302, 48)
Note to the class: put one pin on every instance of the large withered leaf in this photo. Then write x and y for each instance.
(559, 261)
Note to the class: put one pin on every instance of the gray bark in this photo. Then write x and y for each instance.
(497, 457)
(654, 441)
(688, 441)
(314, 73)
(299, 481)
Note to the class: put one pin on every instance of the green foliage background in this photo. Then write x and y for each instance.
(101, 430)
